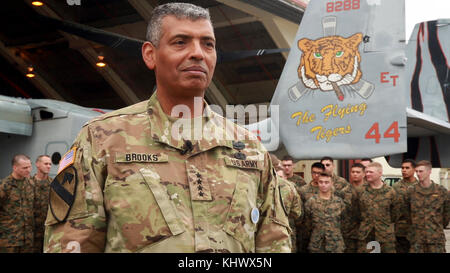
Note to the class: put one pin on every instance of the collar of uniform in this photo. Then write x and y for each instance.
(382, 189)
(406, 183)
(161, 124)
(426, 191)
(313, 184)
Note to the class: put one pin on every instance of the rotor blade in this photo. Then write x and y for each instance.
(237, 55)
(130, 45)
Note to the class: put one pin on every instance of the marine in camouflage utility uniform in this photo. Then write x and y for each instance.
(292, 204)
(16, 215)
(303, 235)
(402, 226)
(298, 180)
(378, 212)
(323, 219)
(41, 192)
(344, 190)
(429, 213)
(141, 190)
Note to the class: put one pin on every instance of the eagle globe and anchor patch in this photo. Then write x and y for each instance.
(63, 188)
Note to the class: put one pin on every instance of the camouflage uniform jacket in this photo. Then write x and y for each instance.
(16, 213)
(142, 190)
(298, 180)
(292, 205)
(402, 226)
(378, 211)
(429, 213)
(41, 192)
(323, 219)
(308, 191)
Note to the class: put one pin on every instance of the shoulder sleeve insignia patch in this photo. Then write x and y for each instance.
(62, 193)
(67, 159)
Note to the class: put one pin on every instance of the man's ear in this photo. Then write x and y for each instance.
(148, 55)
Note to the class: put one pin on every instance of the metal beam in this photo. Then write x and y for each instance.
(38, 81)
(114, 80)
(143, 7)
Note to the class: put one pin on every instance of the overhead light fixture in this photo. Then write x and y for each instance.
(101, 62)
(37, 3)
(30, 72)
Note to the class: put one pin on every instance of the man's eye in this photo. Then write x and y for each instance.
(210, 45)
(179, 42)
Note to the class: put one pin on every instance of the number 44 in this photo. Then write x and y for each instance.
(391, 132)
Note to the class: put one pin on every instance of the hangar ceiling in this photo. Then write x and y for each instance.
(64, 64)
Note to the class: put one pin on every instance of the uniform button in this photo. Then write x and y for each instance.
(200, 188)
(201, 194)
(199, 181)
(198, 175)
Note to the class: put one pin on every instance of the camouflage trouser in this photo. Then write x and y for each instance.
(402, 245)
(428, 248)
(16, 249)
(351, 245)
(320, 247)
(293, 236)
(385, 247)
(38, 243)
(302, 240)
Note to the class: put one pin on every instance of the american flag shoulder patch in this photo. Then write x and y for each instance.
(67, 159)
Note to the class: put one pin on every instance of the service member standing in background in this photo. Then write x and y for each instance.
(133, 182)
(324, 213)
(402, 225)
(16, 208)
(343, 189)
(378, 212)
(287, 163)
(41, 182)
(429, 212)
(306, 192)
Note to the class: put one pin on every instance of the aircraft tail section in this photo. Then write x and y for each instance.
(428, 70)
(340, 93)
(428, 77)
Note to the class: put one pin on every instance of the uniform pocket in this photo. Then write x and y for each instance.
(239, 223)
(140, 211)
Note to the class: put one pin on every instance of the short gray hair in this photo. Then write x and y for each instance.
(180, 11)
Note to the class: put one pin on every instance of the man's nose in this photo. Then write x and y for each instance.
(197, 50)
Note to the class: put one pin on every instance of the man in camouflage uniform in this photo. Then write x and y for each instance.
(16, 208)
(339, 182)
(343, 189)
(365, 161)
(292, 205)
(378, 212)
(137, 180)
(323, 216)
(306, 192)
(41, 182)
(357, 182)
(429, 212)
(402, 226)
(287, 164)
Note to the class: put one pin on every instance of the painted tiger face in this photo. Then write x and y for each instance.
(330, 59)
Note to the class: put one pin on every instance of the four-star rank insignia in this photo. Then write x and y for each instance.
(62, 193)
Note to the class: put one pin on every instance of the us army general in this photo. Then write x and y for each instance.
(136, 181)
